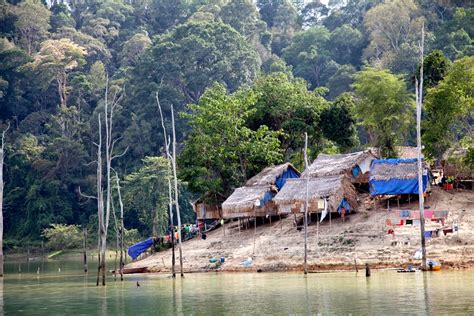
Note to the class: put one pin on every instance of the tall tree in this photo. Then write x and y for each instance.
(32, 23)
(393, 27)
(194, 55)
(221, 152)
(384, 107)
(55, 60)
(308, 55)
(338, 121)
(449, 109)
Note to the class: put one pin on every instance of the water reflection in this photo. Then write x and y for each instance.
(73, 292)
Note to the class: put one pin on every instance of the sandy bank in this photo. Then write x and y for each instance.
(361, 239)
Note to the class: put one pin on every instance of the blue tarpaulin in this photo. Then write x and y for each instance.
(137, 249)
(345, 205)
(394, 185)
(288, 174)
(356, 171)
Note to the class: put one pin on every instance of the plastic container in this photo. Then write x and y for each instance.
(222, 259)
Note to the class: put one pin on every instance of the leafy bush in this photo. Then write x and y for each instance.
(62, 236)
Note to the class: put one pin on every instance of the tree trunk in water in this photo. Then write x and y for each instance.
(419, 105)
(2, 156)
(306, 164)
(176, 194)
(121, 229)
(170, 190)
(85, 249)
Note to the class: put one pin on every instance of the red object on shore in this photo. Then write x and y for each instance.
(448, 186)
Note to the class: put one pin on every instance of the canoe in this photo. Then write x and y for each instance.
(132, 270)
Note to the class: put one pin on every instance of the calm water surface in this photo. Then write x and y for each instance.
(384, 293)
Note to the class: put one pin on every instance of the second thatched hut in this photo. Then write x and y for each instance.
(331, 193)
(355, 165)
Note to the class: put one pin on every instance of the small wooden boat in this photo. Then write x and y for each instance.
(406, 270)
(132, 270)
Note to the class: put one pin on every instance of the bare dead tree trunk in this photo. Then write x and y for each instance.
(104, 217)
(176, 194)
(2, 156)
(121, 229)
(100, 205)
(117, 239)
(170, 190)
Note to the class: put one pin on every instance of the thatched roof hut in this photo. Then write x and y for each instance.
(396, 176)
(338, 189)
(255, 198)
(206, 211)
(453, 165)
(404, 152)
(355, 165)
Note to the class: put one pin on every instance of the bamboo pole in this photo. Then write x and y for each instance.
(419, 105)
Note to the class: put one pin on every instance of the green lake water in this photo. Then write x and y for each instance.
(385, 293)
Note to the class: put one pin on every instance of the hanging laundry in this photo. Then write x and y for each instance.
(429, 213)
(404, 213)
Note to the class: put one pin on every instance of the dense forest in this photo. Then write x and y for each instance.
(246, 78)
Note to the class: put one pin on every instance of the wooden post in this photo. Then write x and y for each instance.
(84, 244)
(306, 206)
(419, 105)
(2, 156)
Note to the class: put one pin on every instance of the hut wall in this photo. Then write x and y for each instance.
(206, 211)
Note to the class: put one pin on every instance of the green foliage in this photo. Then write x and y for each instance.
(384, 108)
(449, 108)
(221, 152)
(435, 66)
(62, 236)
(284, 103)
(146, 192)
(338, 122)
(395, 31)
(63, 55)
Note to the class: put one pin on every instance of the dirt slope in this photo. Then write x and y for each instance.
(362, 238)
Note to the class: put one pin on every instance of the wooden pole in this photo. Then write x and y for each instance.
(84, 244)
(2, 156)
(306, 206)
(419, 105)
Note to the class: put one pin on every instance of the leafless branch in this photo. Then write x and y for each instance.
(120, 155)
(86, 195)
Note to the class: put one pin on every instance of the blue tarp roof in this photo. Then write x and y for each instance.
(403, 179)
(137, 249)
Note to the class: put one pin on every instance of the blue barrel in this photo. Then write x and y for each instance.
(222, 259)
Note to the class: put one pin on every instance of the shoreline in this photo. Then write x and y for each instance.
(362, 238)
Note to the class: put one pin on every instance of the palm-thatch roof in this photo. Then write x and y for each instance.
(270, 174)
(262, 187)
(404, 152)
(292, 197)
(330, 165)
(403, 169)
